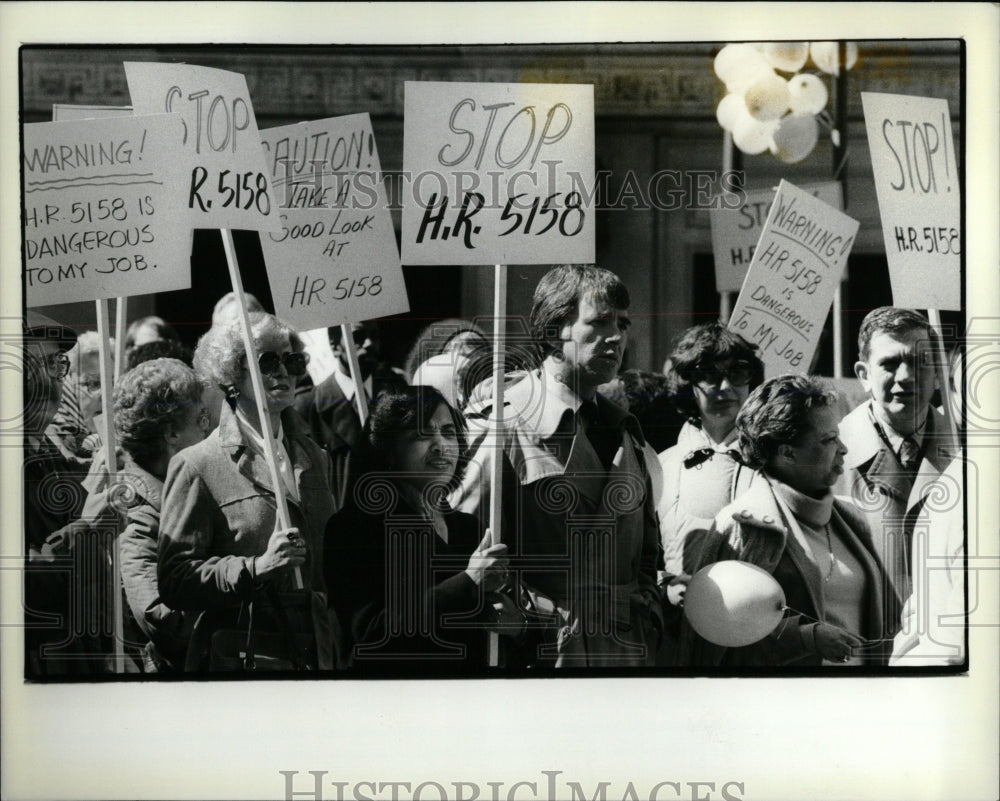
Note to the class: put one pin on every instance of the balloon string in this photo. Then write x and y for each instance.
(784, 622)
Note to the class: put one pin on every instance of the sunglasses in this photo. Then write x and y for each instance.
(57, 365)
(295, 363)
(713, 375)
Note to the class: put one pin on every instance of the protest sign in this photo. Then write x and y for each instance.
(919, 198)
(735, 231)
(226, 183)
(498, 173)
(68, 112)
(102, 217)
(796, 268)
(335, 259)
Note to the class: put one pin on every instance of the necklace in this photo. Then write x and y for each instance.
(833, 557)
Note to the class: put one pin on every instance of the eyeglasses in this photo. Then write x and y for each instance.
(713, 375)
(295, 363)
(57, 365)
(91, 383)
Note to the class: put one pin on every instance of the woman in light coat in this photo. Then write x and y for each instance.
(220, 545)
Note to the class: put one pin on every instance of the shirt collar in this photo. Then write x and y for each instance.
(558, 399)
(893, 437)
(251, 437)
(346, 383)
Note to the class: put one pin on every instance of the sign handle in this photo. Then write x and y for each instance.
(497, 433)
(347, 342)
(284, 520)
(944, 377)
(725, 306)
(108, 440)
(838, 332)
(121, 310)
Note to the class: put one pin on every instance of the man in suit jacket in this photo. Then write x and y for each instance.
(897, 442)
(330, 407)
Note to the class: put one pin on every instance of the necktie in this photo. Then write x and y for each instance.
(909, 454)
(602, 437)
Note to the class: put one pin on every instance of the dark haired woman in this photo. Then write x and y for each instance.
(413, 583)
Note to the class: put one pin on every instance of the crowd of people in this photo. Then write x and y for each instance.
(617, 488)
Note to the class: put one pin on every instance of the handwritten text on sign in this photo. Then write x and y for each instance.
(735, 231)
(100, 210)
(913, 159)
(789, 287)
(498, 173)
(335, 259)
(227, 184)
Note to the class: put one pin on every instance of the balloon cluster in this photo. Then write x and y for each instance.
(765, 111)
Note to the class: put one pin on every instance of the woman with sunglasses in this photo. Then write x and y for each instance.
(712, 371)
(817, 547)
(158, 413)
(221, 550)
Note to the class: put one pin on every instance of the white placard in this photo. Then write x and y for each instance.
(797, 266)
(226, 183)
(735, 231)
(498, 173)
(919, 198)
(335, 259)
(102, 217)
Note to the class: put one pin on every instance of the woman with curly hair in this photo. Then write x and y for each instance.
(221, 550)
(158, 412)
(414, 581)
(712, 371)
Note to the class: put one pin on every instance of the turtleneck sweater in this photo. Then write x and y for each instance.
(843, 586)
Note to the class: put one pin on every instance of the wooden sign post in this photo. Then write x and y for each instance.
(226, 185)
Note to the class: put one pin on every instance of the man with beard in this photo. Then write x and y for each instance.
(330, 407)
(578, 515)
(896, 441)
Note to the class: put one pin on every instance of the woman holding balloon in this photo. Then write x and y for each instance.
(827, 607)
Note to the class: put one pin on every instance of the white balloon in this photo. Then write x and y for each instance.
(731, 109)
(787, 56)
(767, 99)
(739, 65)
(733, 603)
(826, 54)
(753, 136)
(807, 94)
(795, 138)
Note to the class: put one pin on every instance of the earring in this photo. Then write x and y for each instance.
(232, 393)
